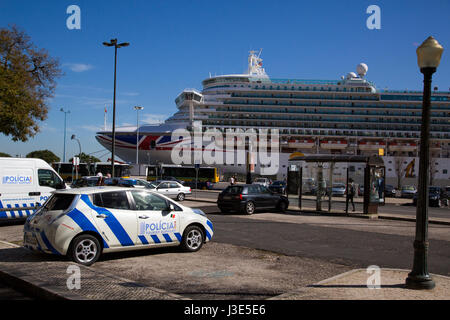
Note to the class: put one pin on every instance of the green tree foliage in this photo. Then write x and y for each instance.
(27, 80)
(2, 154)
(45, 155)
(85, 158)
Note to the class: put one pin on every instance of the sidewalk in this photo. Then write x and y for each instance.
(352, 285)
(47, 279)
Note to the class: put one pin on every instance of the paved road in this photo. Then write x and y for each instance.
(348, 241)
(8, 293)
(405, 209)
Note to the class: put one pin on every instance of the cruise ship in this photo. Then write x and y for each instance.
(345, 116)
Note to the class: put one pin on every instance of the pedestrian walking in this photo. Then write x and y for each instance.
(351, 192)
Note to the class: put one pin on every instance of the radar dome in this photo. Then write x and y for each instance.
(351, 75)
(362, 69)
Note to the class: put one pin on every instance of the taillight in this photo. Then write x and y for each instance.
(240, 196)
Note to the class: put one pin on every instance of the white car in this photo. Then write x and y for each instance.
(263, 181)
(86, 222)
(172, 189)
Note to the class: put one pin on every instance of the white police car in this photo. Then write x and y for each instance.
(83, 223)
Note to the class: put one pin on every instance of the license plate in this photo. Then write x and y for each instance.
(30, 239)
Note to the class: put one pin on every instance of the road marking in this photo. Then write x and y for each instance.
(10, 244)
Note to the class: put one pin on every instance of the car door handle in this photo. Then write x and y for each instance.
(102, 216)
(144, 217)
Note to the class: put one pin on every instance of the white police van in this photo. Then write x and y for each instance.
(24, 184)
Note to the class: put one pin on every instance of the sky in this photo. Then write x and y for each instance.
(176, 44)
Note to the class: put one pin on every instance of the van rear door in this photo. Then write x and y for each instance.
(16, 189)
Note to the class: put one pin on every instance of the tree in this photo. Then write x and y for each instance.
(2, 154)
(85, 158)
(45, 155)
(27, 80)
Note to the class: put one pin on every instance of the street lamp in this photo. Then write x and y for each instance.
(113, 43)
(137, 108)
(65, 116)
(79, 144)
(428, 58)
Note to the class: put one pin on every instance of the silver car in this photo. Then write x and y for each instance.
(172, 189)
(263, 181)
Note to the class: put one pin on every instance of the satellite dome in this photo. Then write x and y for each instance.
(351, 75)
(362, 69)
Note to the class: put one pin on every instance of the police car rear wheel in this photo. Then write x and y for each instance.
(192, 239)
(85, 249)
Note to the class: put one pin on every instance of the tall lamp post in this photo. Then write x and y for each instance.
(113, 43)
(137, 108)
(428, 58)
(65, 116)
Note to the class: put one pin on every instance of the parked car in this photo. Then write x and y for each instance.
(390, 191)
(278, 187)
(203, 185)
(172, 189)
(338, 190)
(169, 178)
(263, 181)
(127, 182)
(87, 181)
(84, 223)
(408, 192)
(437, 197)
(250, 197)
(360, 190)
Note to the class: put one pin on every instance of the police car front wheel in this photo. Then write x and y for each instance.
(85, 249)
(192, 239)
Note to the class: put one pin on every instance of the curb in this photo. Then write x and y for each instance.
(31, 287)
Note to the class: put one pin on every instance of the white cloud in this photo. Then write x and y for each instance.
(78, 67)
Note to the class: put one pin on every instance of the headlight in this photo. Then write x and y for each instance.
(198, 211)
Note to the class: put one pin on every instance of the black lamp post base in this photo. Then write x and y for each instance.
(419, 282)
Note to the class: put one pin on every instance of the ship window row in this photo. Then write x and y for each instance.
(338, 130)
(330, 119)
(413, 97)
(337, 104)
(302, 96)
(330, 111)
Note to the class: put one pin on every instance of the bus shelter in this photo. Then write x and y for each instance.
(316, 178)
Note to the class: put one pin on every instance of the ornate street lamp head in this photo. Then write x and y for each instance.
(429, 53)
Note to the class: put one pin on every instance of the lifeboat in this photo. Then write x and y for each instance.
(301, 144)
(404, 147)
(371, 145)
(334, 144)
